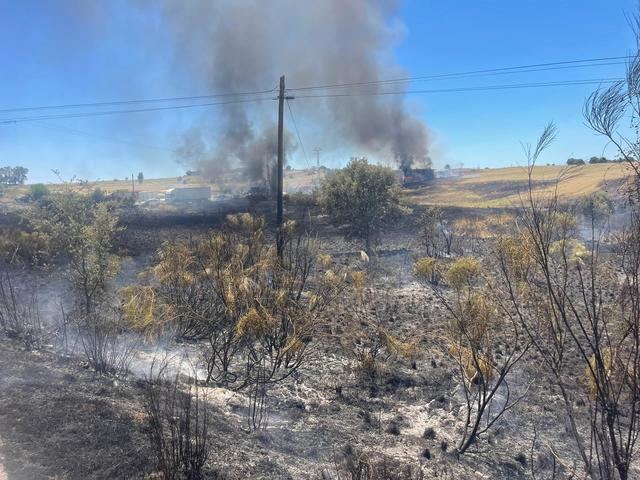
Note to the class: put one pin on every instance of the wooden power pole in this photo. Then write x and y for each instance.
(279, 207)
(317, 151)
(279, 200)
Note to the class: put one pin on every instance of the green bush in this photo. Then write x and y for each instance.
(98, 195)
(38, 191)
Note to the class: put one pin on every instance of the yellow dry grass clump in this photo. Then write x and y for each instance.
(463, 272)
(472, 365)
(617, 371)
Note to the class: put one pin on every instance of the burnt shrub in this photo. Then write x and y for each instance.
(396, 381)
(178, 427)
(107, 348)
(393, 428)
(19, 314)
(357, 464)
(429, 433)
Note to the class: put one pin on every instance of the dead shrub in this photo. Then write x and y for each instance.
(429, 433)
(479, 326)
(107, 347)
(19, 245)
(258, 311)
(19, 314)
(178, 427)
(367, 340)
(393, 428)
(356, 464)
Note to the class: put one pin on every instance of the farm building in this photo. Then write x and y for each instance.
(188, 194)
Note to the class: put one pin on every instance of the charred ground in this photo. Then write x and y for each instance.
(59, 420)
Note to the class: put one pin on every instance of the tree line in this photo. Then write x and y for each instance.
(593, 160)
(13, 175)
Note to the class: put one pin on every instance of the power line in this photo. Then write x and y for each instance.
(574, 64)
(135, 101)
(295, 126)
(320, 95)
(116, 112)
(594, 81)
(466, 75)
(74, 131)
(590, 62)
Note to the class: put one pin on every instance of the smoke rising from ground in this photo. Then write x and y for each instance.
(239, 46)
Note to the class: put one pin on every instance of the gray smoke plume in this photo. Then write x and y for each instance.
(245, 45)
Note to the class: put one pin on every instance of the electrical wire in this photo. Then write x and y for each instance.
(130, 102)
(590, 62)
(295, 126)
(116, 112)
(595, 81)
(75, 131)
(573, 63)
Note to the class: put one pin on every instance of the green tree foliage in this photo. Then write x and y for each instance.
(140, 177)
(83, 231)
(13, 175)
(363, 198)
(575, 161)
(597, 207)
(38, 191)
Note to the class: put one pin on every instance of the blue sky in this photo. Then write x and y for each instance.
(72, 51)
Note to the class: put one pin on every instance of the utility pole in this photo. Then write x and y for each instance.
(279, 200)
(133, 188)
(317, 151)
(279, 204)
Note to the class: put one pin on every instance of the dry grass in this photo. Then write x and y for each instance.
(496, 187)
(294, 180)
(502, 187)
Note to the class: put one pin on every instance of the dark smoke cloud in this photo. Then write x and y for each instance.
(245, 45)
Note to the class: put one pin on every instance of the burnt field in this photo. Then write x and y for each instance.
(379, 391)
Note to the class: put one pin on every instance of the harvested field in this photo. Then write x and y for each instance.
(502, 187)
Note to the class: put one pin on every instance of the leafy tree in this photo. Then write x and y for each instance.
(575, 161)
(598, 160)
(84, 232)
(140, 177)
(363, 198)
(13, 175)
